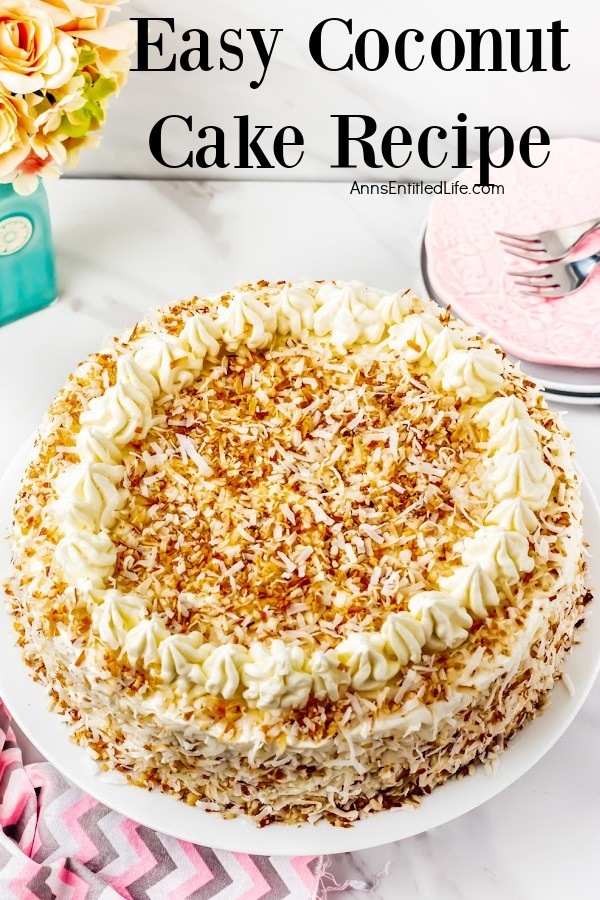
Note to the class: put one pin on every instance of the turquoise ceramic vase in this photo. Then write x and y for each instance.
(27, 268)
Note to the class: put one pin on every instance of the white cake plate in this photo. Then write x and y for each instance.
(28, 704)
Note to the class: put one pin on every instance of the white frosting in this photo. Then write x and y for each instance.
(522, 474)
(394, 307)
(86, 555)
(183, 656)
(134, 370)
(358, 290)
(443, 344)
(348, 313)
(364, 656)
(142, 642)
(405, 637)
(170, 366)
(295, 309)
(222, 670)
(93, 445)
(247, 321)
(502, 554)
(413, 336)
(327, 677)
(513, 514)
(202, 336)
(90, 593)
(445, 621)
(89, 498)
(275, 676)
(516, 435)
(500, 411)
(473, 374)
(115, 617)
(473, 588)
(124, 412)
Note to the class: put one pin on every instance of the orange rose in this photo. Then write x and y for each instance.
(74, 15)
(15, 132)
(86, 20)
(33, 53)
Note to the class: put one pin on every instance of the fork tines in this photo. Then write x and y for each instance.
(525, 247)
(543, 284)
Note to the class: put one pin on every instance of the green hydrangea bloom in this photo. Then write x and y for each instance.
(96, 91)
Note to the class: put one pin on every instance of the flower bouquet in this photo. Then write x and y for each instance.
(60, 62)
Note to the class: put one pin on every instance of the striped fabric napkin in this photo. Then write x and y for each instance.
(57, 843)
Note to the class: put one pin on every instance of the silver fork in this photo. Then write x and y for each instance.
(546, 246)
(557, 280)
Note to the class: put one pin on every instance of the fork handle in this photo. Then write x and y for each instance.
(587, 264)
(579, 231)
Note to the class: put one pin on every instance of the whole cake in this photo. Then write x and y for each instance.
(301, 551)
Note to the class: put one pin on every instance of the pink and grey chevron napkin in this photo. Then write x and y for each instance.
(57, 843)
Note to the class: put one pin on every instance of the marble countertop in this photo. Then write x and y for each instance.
(124, 246)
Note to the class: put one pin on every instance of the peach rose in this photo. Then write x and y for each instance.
(33, 53)
(15, 132)
(73, 15)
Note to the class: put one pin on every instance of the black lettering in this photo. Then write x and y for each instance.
(383, 50)
(155, 143)
(218, 146)
(280, 144)
(557, 32)
(344, 138)
(527, 142)
(388, 143)
(144, 42)
(423, 146)
(315, 45)
(264, 54)
(247, 145)
(203, 51)
(536, 50)
(462, 161)
(227, 47)
(485, 160)
(436, 49)
(476, 39)
(400, 49)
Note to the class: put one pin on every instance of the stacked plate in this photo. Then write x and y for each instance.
(566, 383)
(465, 266)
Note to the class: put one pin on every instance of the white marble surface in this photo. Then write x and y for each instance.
(125, 246)
(295, 91)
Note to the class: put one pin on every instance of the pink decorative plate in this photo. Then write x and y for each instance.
(468, 268)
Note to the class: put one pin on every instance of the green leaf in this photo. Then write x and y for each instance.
(102, 89)
(87, 56)
(75, 124)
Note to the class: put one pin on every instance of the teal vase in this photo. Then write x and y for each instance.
(27, 268)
